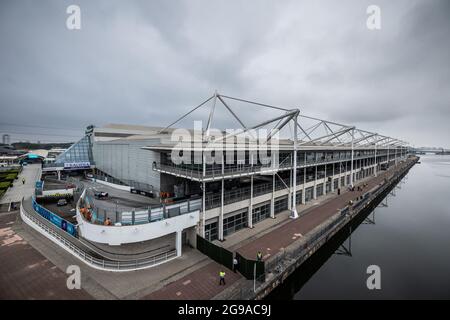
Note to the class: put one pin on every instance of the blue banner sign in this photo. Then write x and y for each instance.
(55, 219)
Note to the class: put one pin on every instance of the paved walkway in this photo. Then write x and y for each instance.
(31, 173)
(271, 243)
(25, 273)
(202, 284)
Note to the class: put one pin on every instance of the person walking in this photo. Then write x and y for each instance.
(235, 264)
(259, 256)
(222, 277)
(23, 180)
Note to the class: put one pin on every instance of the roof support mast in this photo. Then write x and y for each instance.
(294, 169)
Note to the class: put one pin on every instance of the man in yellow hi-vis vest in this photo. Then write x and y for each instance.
(259, 256)
(222, 278)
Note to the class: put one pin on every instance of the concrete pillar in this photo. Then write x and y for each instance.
(250, 207)
(290, 192)
(375, 172)
(351, 164)
(178, 244)
(294, 198)
(388, 155)
(222, 201)
(203, 218)
(304, 183)
(272, 200)
(345, 179)
(395, 156)
(332, 179)
(315, 184)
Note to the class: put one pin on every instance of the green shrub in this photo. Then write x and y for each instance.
(5, 185)
(11, 176)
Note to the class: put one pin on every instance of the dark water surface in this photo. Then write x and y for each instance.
(409, 240)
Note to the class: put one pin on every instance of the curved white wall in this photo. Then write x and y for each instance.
(116, 235)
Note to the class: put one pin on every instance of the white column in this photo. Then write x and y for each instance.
(272, 200)
(290, 191)
(395, 155)
(202, 231)
(351, 164)
(59, 174)
(340, 175)
(325, 181)
(222, 200)
(376, 166)
(332, 179)
(250, 207)
(304, 183)
(345, 179)
(388, 155)
(178, 244)
(315, 184)
(294, 196)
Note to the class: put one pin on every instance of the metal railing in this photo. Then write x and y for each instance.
(103, 264)
(139, 215)
(197, 172)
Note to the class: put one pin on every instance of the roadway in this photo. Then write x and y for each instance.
(31, 173)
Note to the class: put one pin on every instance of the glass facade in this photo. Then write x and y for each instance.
(234, 223)
(211, 231)
(298, 198)
(319, 190)
(80, 151)
(261, 213)
(281, 204)
(309, 194)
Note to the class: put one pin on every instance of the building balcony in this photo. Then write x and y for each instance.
(215, 172)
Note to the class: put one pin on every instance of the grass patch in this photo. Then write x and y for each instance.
(4, 185)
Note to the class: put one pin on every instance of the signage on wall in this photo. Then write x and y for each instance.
(77, 165)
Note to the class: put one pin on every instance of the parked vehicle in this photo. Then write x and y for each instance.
(101, 195)
(61, 202)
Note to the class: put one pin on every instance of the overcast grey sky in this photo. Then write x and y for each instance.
(145, 62)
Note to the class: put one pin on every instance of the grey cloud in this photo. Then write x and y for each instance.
(146, 62)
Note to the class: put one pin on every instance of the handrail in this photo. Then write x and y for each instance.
(102, 264)
(213, 173)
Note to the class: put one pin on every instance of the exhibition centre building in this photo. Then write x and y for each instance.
(225, 195)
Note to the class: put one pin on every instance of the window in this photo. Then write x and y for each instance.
(298, 198)
(309, 194)
(211, 231)
(319, 190)
(281, 204)
(261, 213)
(78, 152)
(234, 223)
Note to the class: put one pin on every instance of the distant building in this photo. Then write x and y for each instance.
(6, 139)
